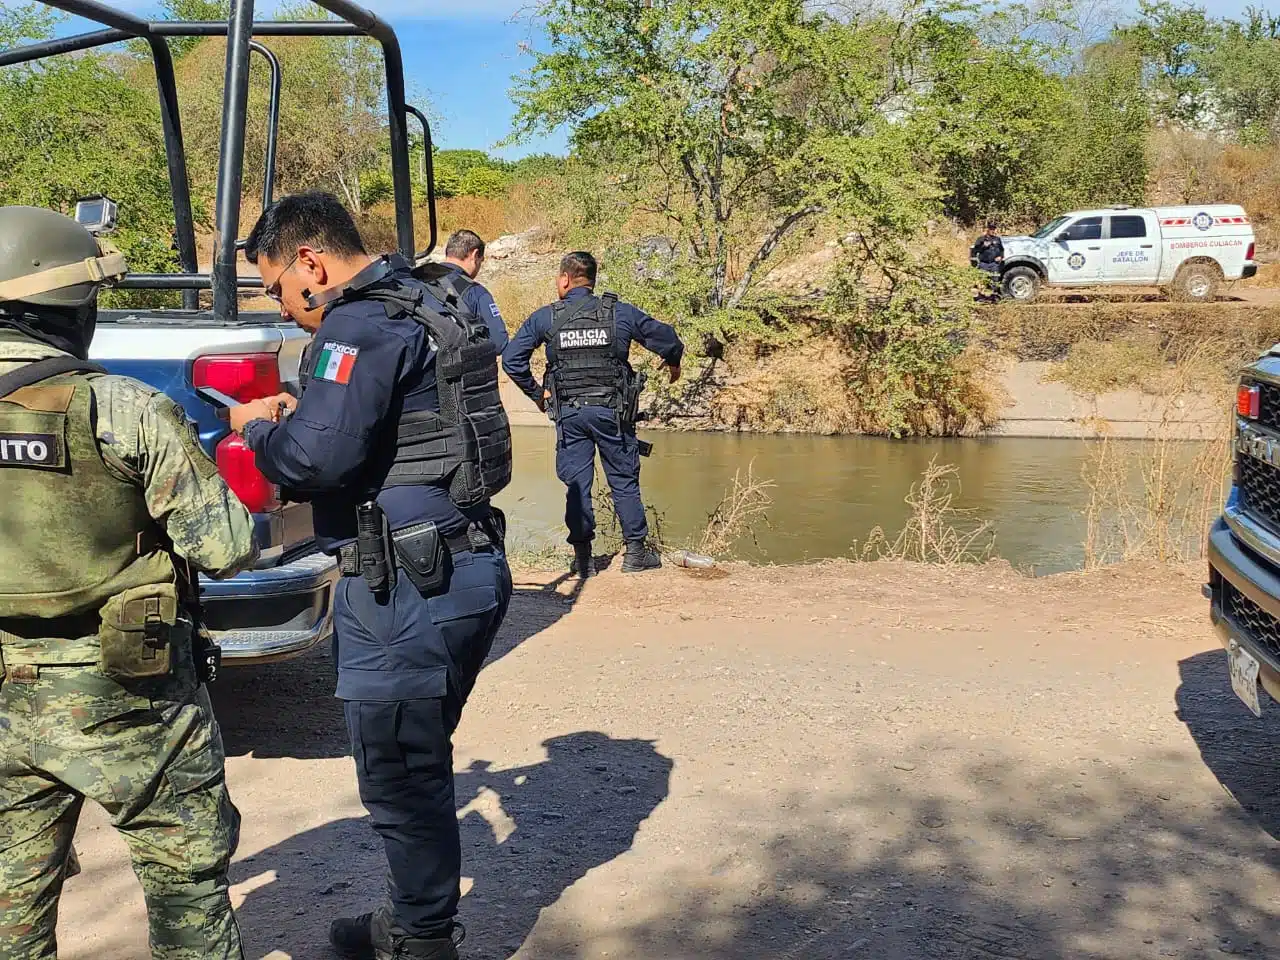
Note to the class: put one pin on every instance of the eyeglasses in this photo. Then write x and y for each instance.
(273, 291)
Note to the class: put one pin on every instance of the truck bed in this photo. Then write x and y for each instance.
(280, 608)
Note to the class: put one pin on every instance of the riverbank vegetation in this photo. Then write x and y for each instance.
(792, 185)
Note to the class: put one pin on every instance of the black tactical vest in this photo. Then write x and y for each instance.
(469, 441)
(582, 354)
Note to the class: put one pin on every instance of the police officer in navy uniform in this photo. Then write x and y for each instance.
(593, 392)
(378, 444)
(987, 254)
(463, 258)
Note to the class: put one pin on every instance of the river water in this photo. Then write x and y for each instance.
(831, 491)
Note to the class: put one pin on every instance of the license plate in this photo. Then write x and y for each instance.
(1244, 676)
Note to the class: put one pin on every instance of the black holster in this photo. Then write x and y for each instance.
(373, 548)
(423, 557)
(204, 649)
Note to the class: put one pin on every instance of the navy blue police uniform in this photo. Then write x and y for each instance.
(588, 399)
(406, 661)
(480, 302)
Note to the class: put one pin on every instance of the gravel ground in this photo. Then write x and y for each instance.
(879, 761)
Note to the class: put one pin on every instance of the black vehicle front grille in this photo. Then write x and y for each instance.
(1258, 625)
(1268, 405)
(1259, 487)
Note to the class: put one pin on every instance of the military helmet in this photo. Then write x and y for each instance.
(48, 259)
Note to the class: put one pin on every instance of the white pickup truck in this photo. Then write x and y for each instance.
(1189, 251)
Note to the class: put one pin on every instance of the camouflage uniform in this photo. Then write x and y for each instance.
(148, 750)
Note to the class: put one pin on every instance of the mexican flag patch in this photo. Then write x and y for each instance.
(336, 362)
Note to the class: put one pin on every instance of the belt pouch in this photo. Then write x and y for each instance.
(136, 633)
(421, 552)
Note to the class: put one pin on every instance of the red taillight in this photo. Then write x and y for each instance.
(1249, 256)
(1248, 399)
(241, 376)
(239, 469)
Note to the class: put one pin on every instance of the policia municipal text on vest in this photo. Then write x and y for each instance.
(583, 366)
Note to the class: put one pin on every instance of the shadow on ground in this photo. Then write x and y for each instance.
(1240, 749)
(288, 709)
(528, 834)
(1005, 863)
(974, 856)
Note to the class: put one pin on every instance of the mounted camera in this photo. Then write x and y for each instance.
(96, 214)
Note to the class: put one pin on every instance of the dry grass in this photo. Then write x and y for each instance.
(743, 507)
(1156, 502)
(816, 386)
(936, 532)
(517, 297)
(1191, 169)
(1048, 331)
(1141, 361)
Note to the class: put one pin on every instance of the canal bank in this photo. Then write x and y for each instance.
(1036, 407)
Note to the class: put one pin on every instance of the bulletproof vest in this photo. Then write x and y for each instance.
(582, 353)
(468, 442)
(76, 532)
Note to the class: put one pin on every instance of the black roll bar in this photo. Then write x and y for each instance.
(429, 177)
(273, 120)
(239, 30)
(235, 103)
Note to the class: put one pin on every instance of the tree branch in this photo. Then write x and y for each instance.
(775, 237)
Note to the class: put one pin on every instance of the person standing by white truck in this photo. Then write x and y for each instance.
(1189, 251)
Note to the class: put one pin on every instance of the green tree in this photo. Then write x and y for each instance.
(1177, 42)
(739, 121)
(75, 126)
(332, 131)
(25, 22)
(1244, 69)
(483, 182)
(187, 10)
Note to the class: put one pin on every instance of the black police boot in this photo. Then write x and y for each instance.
(443, 947)
(352, 937)
(640, 556)
(374, 936)
(584, 562)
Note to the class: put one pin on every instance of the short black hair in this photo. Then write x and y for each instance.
(462, 243)
(313, 219)
(991, 224)
(579, 265)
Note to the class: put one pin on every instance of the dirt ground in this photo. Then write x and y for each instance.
(880, 761)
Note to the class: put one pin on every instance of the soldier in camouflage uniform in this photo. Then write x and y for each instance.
(105, 497)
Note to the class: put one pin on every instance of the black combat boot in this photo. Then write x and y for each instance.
(374, 936)
(352, 937)
(420, 948)
(584, 562)
(640, 556)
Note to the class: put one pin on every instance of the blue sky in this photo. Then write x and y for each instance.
(461, 54)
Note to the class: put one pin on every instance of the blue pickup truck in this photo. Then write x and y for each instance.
(216, 349)
(281, 607)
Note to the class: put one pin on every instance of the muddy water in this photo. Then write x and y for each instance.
(831, 491)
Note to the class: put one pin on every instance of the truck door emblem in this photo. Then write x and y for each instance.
(1202, 221)
(1075, 261)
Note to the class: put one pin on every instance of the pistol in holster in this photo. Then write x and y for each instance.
(631, 410)
(549, 394)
